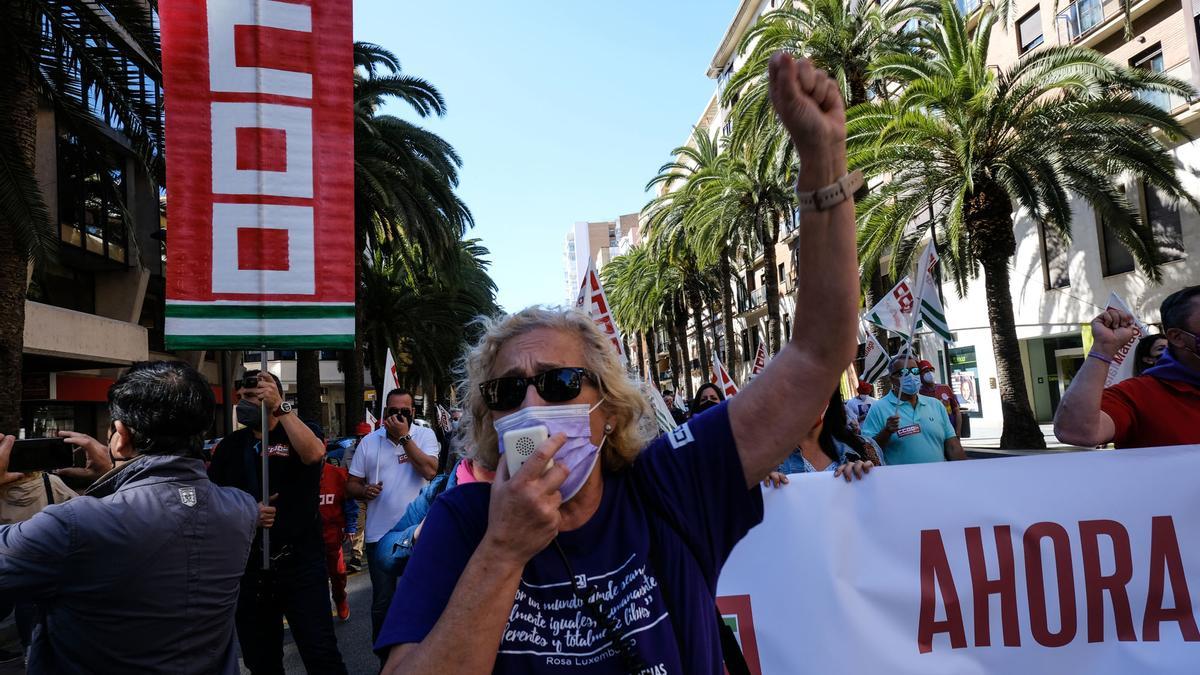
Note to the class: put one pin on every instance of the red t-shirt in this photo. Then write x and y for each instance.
(944, 395)
(1149, 412)
(332, 497)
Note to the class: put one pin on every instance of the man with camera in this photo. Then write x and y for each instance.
(389, 468)
(296, 585)
(141, 574)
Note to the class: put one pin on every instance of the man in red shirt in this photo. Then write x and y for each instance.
(339, 520)
(943, 393)
(1159, 407)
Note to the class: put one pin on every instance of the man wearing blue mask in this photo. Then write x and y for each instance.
(908, 427)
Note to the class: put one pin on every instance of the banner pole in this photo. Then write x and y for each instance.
(266, 478)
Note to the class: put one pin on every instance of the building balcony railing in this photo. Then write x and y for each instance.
(756, 299)
(1169, 102)
(1082, 16)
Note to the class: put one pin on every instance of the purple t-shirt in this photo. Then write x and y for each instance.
(664, 603)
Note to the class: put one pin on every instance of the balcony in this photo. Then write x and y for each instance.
(1169, 102)
(1086, 22)
(968, 7)
(756, 299)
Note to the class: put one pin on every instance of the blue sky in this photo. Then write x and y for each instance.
(562, 111)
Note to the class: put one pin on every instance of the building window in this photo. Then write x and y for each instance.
(91, 199)
(1152, 60)
(1115, 257)
(1164, 223)
(1055, 253)
(787, 326)
(1029, 30)
(746, 345)
(780, 277)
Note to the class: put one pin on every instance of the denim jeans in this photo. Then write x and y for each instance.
(383, 588)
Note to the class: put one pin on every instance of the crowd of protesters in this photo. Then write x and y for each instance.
(167, 561)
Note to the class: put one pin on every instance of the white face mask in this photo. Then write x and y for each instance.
(927, 378)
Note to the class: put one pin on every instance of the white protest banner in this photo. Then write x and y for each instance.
(593, 302)
(1021, 566)
(1122, 366)
(722, 378)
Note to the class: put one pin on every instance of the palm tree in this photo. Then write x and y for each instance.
(741, 201)
(424, 313)
(843, 37)
(979, 144)
(404, 183)
(70, 55)
(636, 293)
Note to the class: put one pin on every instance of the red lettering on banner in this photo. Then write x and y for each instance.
(1165, 567)
(1096, 583)
(1036, 587)
(935, 569)
(1005, 585)
(262, 249)
(260, 149)
(1166, 561)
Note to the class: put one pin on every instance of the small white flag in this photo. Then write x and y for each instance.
(760, 360)
(723, 380)
(593, 302)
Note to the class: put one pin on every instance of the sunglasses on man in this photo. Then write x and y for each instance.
(556, 385)
(915, 370)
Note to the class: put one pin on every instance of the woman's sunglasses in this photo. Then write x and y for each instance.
(554, 386)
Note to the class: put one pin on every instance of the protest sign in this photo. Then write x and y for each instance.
(1018, 565)
(593, 302)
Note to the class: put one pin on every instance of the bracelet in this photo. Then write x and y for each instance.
(831, 195)
(1093, 354)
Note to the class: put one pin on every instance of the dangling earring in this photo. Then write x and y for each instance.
(607, 428)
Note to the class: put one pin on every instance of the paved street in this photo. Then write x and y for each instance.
(354, 636)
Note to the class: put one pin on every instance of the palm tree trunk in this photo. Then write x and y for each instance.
(772, 285)
(18, 105)
(698, 325)
(652, 352)
(988, 215)
(673, 355)
(685, 360)
(641, 355)
(725, 273)
(308, 385)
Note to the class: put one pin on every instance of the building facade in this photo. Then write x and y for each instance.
(1057, 286)
(596, 243)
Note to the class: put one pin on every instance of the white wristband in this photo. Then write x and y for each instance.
(830, 195)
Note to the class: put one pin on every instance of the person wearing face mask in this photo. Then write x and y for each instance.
(141, 573)
(707, 396)
(908, 427)
(942, 393)
(389, 468)
(1159, 407)
(858, 407)
(1147, 352)
(297, 584)
(597, 549)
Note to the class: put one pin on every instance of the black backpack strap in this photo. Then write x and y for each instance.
(731, 651)
(49, 489)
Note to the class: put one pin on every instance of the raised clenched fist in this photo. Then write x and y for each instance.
(809, 104)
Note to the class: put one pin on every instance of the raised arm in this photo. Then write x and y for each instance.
(1079, 419)
(772, 414)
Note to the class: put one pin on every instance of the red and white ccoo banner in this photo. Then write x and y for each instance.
(593, 302)
(1020, 565)
(260, 173)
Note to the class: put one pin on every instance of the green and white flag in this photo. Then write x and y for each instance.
(875, 360)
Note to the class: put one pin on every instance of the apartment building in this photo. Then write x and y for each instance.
(594, 242)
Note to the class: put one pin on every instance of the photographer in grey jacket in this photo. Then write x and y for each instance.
(141, 574)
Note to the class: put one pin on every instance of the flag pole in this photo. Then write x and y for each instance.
(266, 476)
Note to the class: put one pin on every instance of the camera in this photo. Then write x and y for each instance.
(250, 382)
(406, 413)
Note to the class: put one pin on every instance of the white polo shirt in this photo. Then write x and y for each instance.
(378, 460)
